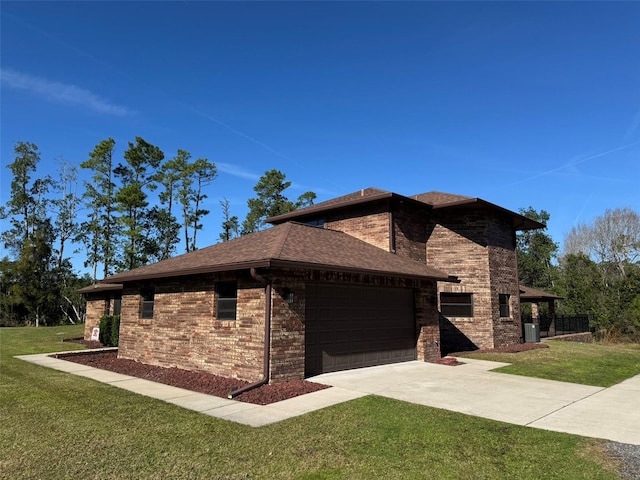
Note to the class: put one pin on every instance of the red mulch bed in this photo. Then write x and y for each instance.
(518, 347)
(196, 381)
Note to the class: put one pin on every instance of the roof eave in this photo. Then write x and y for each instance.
(520, 222)
(311, 211)
(100, 287)
(274, 263)
(443, 277)
(263, 263)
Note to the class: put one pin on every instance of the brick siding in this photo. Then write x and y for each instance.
(185, 333)
(410, 233)
(479, 249)
(370, 225)
(96, 305)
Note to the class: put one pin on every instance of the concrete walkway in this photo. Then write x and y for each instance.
(233, 410)
(609, 413)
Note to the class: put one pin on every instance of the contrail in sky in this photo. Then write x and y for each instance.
(237, 132)
(572, 164)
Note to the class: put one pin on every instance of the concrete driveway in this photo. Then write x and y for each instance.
(609, 413)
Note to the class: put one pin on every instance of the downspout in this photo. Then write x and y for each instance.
(267, 338)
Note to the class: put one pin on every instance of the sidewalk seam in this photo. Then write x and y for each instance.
(565, 406)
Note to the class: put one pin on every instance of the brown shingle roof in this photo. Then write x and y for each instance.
(100, 287)
(440, 198)
(529, 294)
(366, 195)
(435, 200)
(442, 201)
(288, 245)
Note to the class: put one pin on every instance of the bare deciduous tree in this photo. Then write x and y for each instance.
(612, 239)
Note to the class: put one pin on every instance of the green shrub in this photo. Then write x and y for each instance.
(110, 330)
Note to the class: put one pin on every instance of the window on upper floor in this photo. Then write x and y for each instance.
(318, 222)
(456, 304)
(503, 301)
(227, 304)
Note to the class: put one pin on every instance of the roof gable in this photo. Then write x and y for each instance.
(448, 201)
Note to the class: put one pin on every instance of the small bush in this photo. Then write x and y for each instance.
(110, 330)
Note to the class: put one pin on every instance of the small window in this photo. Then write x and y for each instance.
(147, 294)
(318, 222)
(227, 300)
(107, 306)
(456, 304)
(503, 300)
(117, 305)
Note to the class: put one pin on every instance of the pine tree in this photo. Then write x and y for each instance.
(98, 231)
(271, 201)
(137, 176)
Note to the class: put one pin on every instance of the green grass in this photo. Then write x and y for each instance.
(587, 363)
(55, 425)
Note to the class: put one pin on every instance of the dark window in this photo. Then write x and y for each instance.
(107, 306)
(318, 222)
(503, 300)
(456, 304)
(227, 300)
(117, 305)
(147, 294)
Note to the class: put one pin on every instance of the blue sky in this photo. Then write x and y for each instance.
(519, 103)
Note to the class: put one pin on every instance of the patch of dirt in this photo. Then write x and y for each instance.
(518, 347)
(196, 381)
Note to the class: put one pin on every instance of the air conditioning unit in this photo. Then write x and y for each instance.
(531, 333)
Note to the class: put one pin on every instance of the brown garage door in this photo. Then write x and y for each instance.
(352, 326)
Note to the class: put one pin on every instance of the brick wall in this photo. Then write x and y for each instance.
(184, 332)
(369, 224)
(96, 305)
(457, 249)
(410, 233)
(427, 323)
(503, 266)
(287, 325)
(479, 248)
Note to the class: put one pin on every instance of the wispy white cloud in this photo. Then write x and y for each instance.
(317, 190)
(62, 93)
(573, 163)
(237, 171)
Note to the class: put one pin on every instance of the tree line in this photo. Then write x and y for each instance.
(133, 211)
(597, 274)
(137, 210)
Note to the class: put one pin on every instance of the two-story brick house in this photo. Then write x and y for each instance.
(369, 278)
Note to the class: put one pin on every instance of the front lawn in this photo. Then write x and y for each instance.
(586, 363)
(56, 425)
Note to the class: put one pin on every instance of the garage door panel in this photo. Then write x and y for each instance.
(354, 326)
